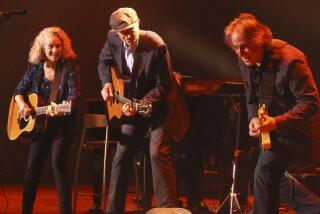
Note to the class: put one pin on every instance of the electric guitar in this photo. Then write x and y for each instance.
(143, 107)
(21, 124)
(265, 136)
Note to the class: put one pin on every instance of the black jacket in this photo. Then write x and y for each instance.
(295, 99)
(154, 80)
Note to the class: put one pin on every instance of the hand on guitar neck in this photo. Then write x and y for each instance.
(52, 110)
(128, 109)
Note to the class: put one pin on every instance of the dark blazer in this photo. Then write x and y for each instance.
(154, 78)
(295, 99)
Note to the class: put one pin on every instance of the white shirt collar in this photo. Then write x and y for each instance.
(132, 48)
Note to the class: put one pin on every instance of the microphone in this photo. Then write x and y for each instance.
(13, 12)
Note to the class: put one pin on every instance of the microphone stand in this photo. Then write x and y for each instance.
(232, 196)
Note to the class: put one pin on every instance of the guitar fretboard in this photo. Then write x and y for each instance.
(41, 110)
(124, 100)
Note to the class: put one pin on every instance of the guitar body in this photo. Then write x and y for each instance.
(18, 126)
(265, 140)
(119, 85)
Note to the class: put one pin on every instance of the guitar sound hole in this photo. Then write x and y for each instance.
(116, 98)
(22, 123)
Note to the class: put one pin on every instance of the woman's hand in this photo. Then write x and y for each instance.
(24, 109)
(52, 110)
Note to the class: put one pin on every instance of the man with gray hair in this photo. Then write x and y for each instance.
(277, 75)
(144, 58)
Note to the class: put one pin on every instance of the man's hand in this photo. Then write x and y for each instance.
(107, 92)
(254, 127)
(128, 109)
(267, 124)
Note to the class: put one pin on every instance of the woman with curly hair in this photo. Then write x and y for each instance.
(53, 75)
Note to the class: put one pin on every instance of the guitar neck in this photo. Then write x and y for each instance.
(41, 110)
(61, 108)
(123, 100)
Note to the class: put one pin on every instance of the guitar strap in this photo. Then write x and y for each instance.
(267, 87)
(269, 71)
(55, 86)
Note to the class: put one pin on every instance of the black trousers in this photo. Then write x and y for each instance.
(133, 131)
(272, 183)
(57, 141)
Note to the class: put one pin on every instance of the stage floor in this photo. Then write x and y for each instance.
(47, 201)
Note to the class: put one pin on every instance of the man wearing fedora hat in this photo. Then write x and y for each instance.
(144, 57)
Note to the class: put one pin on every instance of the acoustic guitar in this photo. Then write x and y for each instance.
(265, 136)
(21, 124)
(120, 86)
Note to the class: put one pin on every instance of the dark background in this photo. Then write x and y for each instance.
(193, 31)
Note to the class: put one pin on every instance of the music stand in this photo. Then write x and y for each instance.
(234, 90)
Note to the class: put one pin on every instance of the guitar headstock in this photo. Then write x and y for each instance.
(262, 111)
(64, 107)
(144, 107)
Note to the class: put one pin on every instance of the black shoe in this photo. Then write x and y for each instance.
(95, 210)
